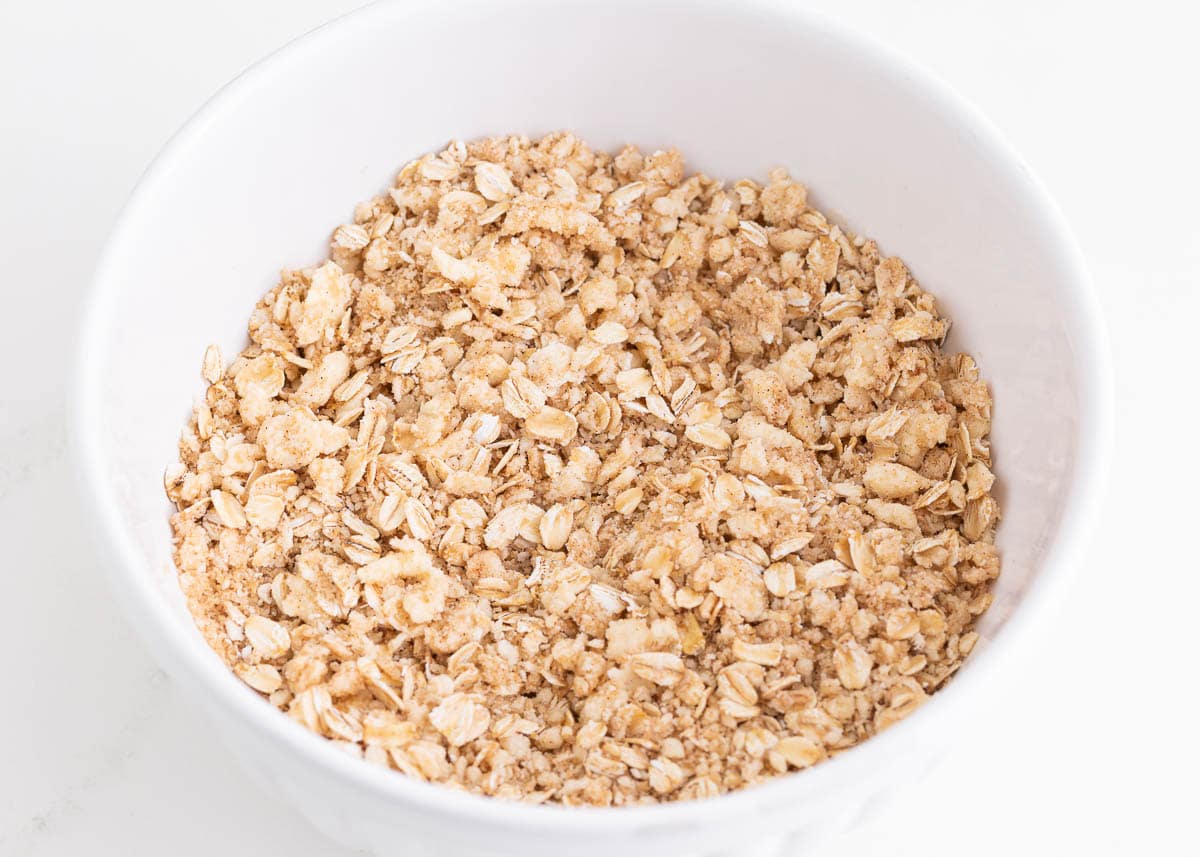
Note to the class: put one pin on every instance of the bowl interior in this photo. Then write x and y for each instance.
(260, 178)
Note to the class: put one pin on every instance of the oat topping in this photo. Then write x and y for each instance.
(570, 477)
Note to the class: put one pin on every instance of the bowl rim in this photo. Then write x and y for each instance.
(182, 655)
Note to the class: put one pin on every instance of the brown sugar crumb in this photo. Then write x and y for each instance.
(570, 477)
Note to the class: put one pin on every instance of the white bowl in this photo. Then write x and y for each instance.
(258, 177)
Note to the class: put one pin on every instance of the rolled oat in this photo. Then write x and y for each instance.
(570, 477)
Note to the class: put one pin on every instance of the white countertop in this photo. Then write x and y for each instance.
(1088, 751)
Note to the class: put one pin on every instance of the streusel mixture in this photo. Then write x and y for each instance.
(570, 477)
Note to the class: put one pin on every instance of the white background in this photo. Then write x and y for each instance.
(1091, 746)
